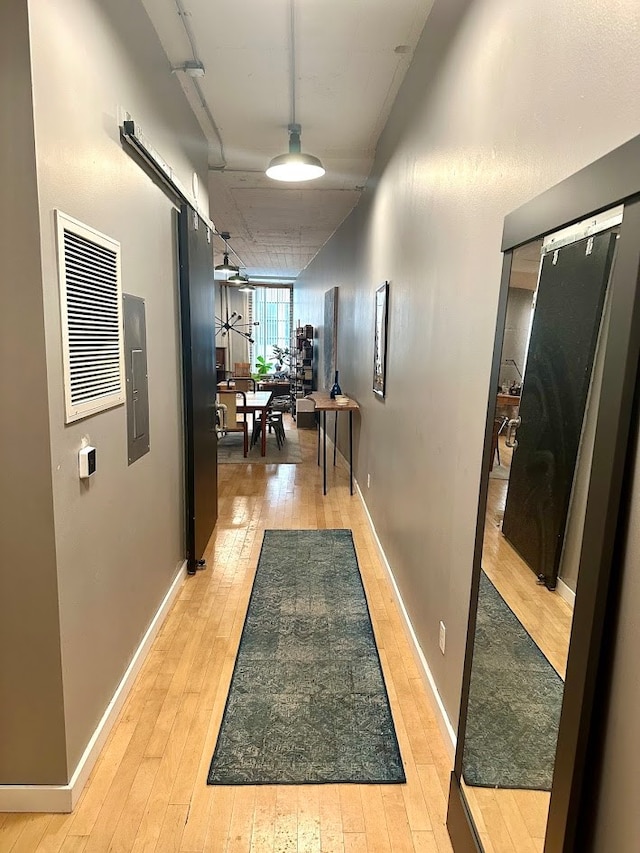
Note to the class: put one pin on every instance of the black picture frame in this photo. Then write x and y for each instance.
(380, 340)
(613, 179)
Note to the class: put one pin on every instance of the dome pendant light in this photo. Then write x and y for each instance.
(243, 280)
(295, 166)
(226, 266)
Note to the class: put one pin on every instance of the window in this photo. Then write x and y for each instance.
(272, 308)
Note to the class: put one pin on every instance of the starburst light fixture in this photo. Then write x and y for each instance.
(234, 323)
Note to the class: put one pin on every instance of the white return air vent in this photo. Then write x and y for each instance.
(91, 306)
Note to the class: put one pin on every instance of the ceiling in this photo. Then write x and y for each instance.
(350, 59)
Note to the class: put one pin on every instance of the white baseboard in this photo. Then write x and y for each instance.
(63, 798)
(566, 593)
(442, 717)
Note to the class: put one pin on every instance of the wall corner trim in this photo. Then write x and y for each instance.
(63, 798)
(444, 723)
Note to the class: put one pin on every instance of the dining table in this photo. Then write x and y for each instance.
(258, 402)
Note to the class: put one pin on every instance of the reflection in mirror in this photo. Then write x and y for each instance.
(541, 458)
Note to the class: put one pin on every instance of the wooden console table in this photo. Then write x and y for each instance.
(324, 404)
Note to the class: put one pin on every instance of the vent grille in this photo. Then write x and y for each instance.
(91, 302)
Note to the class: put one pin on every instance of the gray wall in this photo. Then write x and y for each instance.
(32, 745)
(516, 334)
(502, 101)
(84, 566)
(119, 541)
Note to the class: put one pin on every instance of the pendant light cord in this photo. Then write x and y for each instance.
(292, 58)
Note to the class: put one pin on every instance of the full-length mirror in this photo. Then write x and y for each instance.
(552, 516)
(542, 444)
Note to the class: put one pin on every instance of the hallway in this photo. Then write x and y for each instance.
(148, 792)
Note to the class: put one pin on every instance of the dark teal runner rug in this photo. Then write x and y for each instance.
(515, 698)
(307, 702)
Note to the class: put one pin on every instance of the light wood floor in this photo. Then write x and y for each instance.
(148, 790)
(515, 821)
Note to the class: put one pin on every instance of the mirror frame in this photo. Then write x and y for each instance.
(608, 182)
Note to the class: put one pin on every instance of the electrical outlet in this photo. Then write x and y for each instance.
(443, 637)
(368, 481)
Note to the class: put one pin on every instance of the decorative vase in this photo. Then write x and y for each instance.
(335, 389)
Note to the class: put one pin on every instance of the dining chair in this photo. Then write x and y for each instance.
(232, 419)
(275, 423)
(241, 368)
(242, 383)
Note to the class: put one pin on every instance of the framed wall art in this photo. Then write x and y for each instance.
(330, 336)
(380, 340)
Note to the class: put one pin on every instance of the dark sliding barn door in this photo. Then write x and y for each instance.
(564, 333)
(197, 311)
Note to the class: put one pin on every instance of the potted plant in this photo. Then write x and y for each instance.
(263, 367)
(282, 355)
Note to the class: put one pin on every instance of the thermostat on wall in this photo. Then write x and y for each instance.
(87, 462)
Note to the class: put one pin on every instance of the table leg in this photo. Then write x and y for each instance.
(319, 424)
(335, 438)
(350, 451)
(324, 453)
(263, 445)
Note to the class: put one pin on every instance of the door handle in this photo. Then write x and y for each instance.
(512, 428)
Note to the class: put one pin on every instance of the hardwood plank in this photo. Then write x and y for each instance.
(55, 834)
(262, 836)
(286, 820)
(11, 830)
(355, 842)
(534, 808)
(436, 803)
(425, 842)
(186, 773)
(117, 798)
(158, 801)
(308, 818)
(131, 817)
(33, 830)
(74, 844)
(351, 809)
(375, 823)
(242, 815)
(171, 829)
(396, 819)
(497, 829)
(87, 812)
(331, 827)
(418, 812)
(220, 823)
